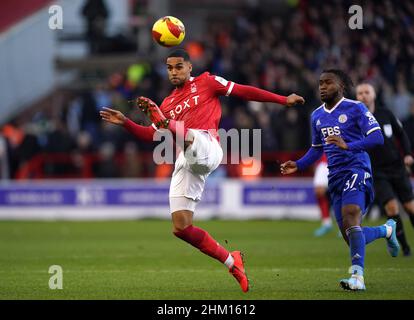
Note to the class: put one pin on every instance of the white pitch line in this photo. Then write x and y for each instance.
(188, 270)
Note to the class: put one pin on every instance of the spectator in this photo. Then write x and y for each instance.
(96, 14)
(132, 166)
(107, 168)
(284, 53)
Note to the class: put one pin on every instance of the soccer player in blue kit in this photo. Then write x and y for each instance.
(344, 129)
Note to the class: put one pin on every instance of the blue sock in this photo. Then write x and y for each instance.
(374, 233)
(356, 245)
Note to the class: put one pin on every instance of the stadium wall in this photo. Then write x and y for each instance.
(148, 198)
(26, 63)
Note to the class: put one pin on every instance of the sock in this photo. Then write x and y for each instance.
(355, 269)
(374, 233)
(204, 242)
(327, 222)
(356, 245)
(229, 261)
(400, 231)
(324, 207)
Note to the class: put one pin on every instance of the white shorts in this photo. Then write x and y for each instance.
(320, 178)
(192, 168)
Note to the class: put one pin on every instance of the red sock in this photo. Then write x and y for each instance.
(204, 242)
(324, 206)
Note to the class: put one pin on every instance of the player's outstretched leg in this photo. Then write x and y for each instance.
(326, 226)
(202, 240)
(387, 231)
(323, 230)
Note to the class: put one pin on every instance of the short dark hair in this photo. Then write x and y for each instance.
(344, 78)
(179, 53)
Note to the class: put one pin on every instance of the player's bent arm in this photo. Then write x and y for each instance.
(313, 155)
(222, 87)
(374, 138)
(251, 93)
(141, 132)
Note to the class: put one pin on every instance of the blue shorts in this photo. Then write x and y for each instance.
(356, 187)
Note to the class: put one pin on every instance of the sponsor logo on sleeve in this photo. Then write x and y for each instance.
(221, 80)
(371, 118)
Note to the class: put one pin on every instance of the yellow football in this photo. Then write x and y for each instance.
(168, 31)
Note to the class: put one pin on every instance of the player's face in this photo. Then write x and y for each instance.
(329, 87)
(366, 94)
(178, 70)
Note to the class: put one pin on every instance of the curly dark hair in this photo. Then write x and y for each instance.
(344, 78)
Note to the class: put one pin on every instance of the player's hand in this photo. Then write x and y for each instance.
(143, 102)
(338, 141)
(288, 167)
(112, 116)
(408, 160)
(294, 99)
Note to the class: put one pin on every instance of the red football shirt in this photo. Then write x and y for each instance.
(197, 102)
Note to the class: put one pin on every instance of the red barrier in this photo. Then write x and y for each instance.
(83, 166)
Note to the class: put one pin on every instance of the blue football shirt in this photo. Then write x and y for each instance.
(352, 121)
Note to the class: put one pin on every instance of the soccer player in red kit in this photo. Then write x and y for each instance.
(320, 187)
(194, 105)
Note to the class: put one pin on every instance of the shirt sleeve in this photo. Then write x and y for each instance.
(219, 85)
(370, 141)
(313, 155)
(316, 136)
(141, 132)
(366, 120)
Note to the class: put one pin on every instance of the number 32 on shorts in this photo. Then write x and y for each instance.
(356, 177)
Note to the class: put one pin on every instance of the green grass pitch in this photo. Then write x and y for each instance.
(143, 260)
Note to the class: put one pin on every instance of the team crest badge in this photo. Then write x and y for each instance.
(193, 88)
(342, 118)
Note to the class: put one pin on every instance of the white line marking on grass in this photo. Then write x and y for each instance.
(188, 270)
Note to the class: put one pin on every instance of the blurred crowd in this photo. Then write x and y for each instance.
(283, 54)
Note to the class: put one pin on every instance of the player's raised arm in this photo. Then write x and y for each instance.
(117, 117)
(229, 88)
(251, 93)
(112, 116)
